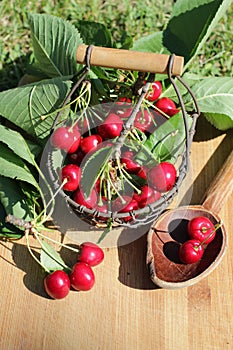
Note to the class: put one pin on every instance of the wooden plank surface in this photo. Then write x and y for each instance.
(124, 310)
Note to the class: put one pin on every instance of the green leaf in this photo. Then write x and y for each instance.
(104, 73)
(190, 25)
(215, 99)
(15, 141)
(13, 199)
(24, 106)
(150, 43)
(126, 41)
(165, 143)
(34, 148)
(55, 43)
(13, 167)
(220, 121)
(58, 159)
(92, 168)
(50, 258)
(8, 230)
(94, 33)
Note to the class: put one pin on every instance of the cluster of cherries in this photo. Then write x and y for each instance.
(201, 232)
(153, 181)
(81, 277)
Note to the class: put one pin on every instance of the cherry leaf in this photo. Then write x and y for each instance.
(33, 107)
(13, 139)
(92, 168)
(13, 199)
(12, 166)
(55, 42)
(50, 258)
(215, 99)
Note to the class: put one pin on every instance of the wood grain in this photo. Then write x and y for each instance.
(124, 310)
(221, 187)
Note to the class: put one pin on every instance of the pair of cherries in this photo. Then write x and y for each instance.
(201, 232)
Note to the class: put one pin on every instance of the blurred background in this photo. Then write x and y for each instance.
(128, 20)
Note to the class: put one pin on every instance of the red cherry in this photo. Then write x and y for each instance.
(97, 185)
(167, 106)
(82, 277)
(191, 251)
(91, 254)
(154, 91)
(57, 284)
(111, 127)
(143, 172)
(162, 177)
(147, 196)
(130, 205)
(130, 165)
(90, 143)
(89, 202)
(72, 173)
(123, 100)
(125, 113)
(66, 139)
(102, 209)
(76, 157)
(143, 120)
(201, 228)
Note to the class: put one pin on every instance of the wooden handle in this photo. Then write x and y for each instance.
(221, 187)
(130, 60)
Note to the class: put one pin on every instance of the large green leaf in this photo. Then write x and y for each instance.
(190, 25)
(16, 143)
(13, 199)
(24, 106)
(55, 43)
(13, 167)
(215, 99)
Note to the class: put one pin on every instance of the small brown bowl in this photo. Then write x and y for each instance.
(164, 240)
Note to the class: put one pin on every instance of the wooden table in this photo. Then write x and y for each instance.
(124, 310)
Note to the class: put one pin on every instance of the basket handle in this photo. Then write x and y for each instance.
(129, 60)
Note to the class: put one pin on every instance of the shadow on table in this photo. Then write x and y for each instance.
(133, 270)
(33, 278)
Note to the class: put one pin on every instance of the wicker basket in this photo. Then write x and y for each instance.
(152, 211)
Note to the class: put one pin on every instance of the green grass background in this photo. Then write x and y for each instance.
(137, 18)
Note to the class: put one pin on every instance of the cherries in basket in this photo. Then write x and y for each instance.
(123, 184)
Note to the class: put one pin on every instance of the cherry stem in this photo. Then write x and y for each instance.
(110, 183)
(64, 107)
(51, 201)
(126, 176)
(216, 227)
(130, 122)
(144, 148)
(58, 243)
(31, 252)
(47, 252)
